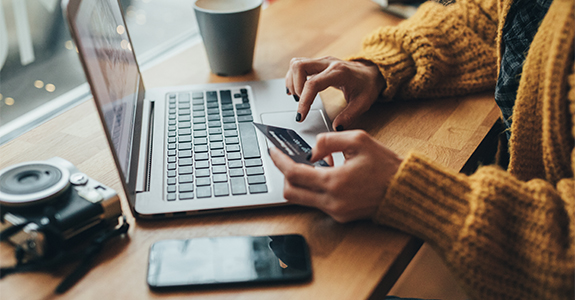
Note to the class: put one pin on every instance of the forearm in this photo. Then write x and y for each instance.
(440, 51)
(500, 236)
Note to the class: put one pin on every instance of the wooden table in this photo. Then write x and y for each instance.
(350, 261)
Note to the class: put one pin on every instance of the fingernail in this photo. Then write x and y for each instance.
(296, 97)
(287, 91)
(298, 117)
(339, 128)
(308, 158)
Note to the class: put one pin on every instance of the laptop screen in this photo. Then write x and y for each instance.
(113, 72)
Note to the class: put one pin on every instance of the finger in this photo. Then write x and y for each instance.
(302, 196)
(354, 109)
(289, 82)
(297, 174)
(329, 160)
(348, 142)
(301, 68)
(313, 86)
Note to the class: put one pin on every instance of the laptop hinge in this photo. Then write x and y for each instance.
(145, 157)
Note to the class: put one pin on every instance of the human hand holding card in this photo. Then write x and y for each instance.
(290, 143)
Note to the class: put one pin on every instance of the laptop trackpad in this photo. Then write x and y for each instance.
(314, 123)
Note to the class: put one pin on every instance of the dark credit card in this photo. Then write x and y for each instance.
(290, 143)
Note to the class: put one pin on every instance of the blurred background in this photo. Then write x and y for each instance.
(40, 73)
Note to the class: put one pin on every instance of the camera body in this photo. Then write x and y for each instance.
(49, 206)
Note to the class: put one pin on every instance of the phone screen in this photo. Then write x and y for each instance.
(228, 260)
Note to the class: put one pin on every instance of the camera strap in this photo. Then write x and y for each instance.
(86, 257)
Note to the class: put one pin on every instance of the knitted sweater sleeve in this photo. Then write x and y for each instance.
(503, 238)
(440, 51)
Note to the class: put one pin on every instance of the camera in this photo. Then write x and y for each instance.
(49, 206)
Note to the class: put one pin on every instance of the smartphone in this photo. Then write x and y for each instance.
(234, 260)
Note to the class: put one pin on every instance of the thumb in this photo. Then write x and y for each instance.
(330, 142)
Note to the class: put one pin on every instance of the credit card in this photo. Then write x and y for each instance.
(290, 143)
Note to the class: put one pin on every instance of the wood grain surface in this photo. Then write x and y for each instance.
(350, 261)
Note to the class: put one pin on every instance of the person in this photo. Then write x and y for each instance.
(506, 233)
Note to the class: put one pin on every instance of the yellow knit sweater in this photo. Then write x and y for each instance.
(504, 234)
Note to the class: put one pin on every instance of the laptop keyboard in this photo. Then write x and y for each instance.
(212, 146)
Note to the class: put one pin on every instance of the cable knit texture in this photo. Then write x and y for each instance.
(504, 234)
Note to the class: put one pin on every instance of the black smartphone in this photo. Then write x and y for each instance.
(233, 260)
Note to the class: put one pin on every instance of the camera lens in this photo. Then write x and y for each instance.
(26, 183)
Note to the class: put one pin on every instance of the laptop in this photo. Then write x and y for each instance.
(182, 150)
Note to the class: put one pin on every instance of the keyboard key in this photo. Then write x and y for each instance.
(258, 188)
(255, 171)
(218, 153)
(234, 156)
(245, 119)
(211, 96)
(171, 122)
(232, 148)
(216, 138)
(198, 114)
(231, 133)
(228, 113)
(183, 125)
(171, 133)
(171, 166)
(221, 189)
(184, 146)
(201, 148)
(172, 173)
(183, 105)
(184, 112)
(198, 102)
(202, 173)
(212, 105)
(171, 188)
(219, 169)
(200, 134)
(213, 111)
(225, 97)
(232, 140)
(186, 187)
(199, 120)
(202, 156)
(198, 107)
(242, 106)
(203, 182)
(185, 139)
(255, 162)
(171, 197)
(171, 181)
(183, 97)
(171, 140)
(236, 173)
(171, 152)
(218, 161)
(214, 131)
(202, 164)
(238, 185)
(220, 177)
(230, 126)
(244, 112)
(256, 179)
(200, 141)
(171, 159)
(171, 146)
(214, 124)
(185, 154)
(186, 179)
(198, 95)
(186, 196)
(214, 118)
(232, 164)
(186, 131)
(249, 140)
(204, 192)
(216, 145)
(185, 170)
(229, 119)
(199, 126)
(185, 162)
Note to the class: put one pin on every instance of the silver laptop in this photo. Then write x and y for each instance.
(182, 150)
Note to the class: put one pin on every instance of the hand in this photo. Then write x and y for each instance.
(360, 81)
(349, 192)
